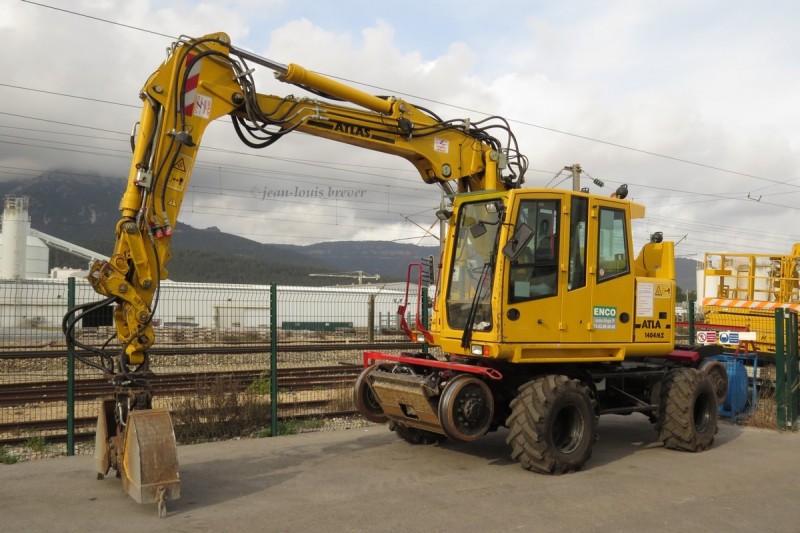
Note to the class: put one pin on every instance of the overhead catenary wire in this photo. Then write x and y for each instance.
(463, 108)
(717, 168)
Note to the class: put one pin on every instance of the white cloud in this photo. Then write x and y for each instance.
(706, 82)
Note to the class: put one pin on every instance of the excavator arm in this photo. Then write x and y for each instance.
(205, 79)
(200, 81)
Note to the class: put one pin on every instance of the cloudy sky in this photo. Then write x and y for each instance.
(693, 104)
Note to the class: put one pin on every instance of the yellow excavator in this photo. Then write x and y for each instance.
(543, 315)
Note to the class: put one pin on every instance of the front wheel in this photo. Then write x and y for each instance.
(687, 416)
(364, 398)
(466, 408)
(553, 425)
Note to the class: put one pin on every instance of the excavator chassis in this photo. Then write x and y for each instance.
(140, 445)
(416, 393)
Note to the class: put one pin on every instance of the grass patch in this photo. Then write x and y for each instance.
(6, 458)
(218, 411)
(36, 444)
(260, 385)
(293, 426)
(765, 414)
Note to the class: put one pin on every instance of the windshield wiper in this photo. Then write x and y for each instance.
(466, 338)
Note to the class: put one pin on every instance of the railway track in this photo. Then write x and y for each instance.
(177, 384)
(290, 379)
(47, 352)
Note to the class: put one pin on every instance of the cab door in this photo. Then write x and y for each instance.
(576, 318)
(610, 272)
(533, 304)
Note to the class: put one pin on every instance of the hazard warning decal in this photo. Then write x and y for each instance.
(663, 291)
(180, 173)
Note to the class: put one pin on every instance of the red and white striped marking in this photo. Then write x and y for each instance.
(190, 89)
(749, 304)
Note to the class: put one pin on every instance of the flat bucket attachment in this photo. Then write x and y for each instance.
(150, 458)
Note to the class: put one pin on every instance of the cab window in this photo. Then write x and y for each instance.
(534, 274)
(579, 215)
(612, 241)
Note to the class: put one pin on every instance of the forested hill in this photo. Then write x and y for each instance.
(83, 210)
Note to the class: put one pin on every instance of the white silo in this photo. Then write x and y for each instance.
(16, 223)
(38, 259)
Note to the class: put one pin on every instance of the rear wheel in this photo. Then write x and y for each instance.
(687, 416)
(363, 397)
(553, 425)
(414, 435)
(719, 378)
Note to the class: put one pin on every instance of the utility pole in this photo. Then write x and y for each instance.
(576, 176)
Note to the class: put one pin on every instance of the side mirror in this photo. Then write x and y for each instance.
(523, 234)
(476, 230)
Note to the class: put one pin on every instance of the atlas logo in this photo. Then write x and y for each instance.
(352, 129)
(651, 324)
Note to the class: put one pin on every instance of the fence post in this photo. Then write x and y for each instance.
(371, 318)
(273, 359)
(786, 372)
(425, 316)
(70, 375)
(692, 332)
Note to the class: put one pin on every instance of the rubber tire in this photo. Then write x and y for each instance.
(414, 435)
(687, 415)
(538, 414)
(364, 399)
(719, 378)
(460, 426)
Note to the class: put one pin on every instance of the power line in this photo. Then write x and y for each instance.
(99, 19)
(517, 121)
(525, 123)
(65, 95)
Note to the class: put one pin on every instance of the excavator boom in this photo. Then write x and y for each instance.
(202, 80)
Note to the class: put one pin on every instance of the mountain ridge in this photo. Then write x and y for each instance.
(83, 209)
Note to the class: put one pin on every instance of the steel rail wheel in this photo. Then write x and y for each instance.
(364, 398)
(466, 408)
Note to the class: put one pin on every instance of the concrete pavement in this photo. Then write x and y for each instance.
(369, 480)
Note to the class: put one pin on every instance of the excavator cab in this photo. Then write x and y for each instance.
(527, 270)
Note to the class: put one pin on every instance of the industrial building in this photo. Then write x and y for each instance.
(34, 298)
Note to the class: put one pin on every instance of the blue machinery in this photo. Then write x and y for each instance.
(738, 403)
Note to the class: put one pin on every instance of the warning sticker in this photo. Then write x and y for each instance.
(706, 337)
(644, 299)
(441, 145)
(202, 106)
(180, 173)
(663, 291)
